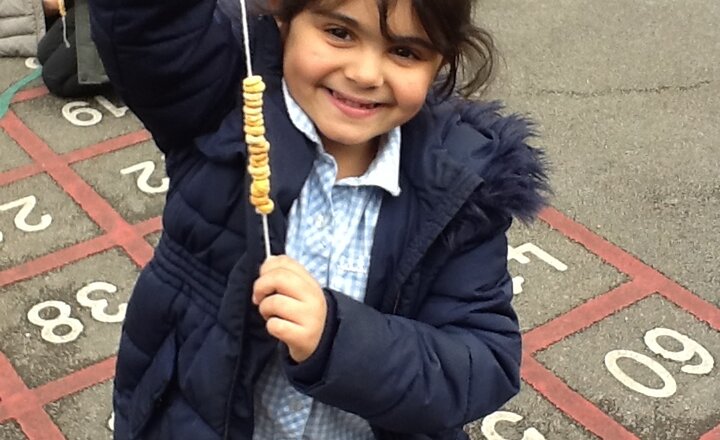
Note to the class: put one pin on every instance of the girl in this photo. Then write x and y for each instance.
(388, 314)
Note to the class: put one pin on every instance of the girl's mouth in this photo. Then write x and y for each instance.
(353, 103)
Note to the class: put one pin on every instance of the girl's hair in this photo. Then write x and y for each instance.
(468, 51)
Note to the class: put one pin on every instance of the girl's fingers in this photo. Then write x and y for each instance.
(284, 330)
(283, 281)
(283, 307)
(285, 262)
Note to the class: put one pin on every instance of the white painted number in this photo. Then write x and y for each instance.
(518, 254)
(49, 326)
(118, 112)
(81, 114)
(489, 423)
(669, 385)
(26, 205)
(98, 310)
(72, 111)
(146, 169)
(32, 63)
(99, 306)
(111, 422)
(690, 348)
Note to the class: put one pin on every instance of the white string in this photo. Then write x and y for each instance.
(246, 37)
(248, 62)
(64, 27)
(266, 235)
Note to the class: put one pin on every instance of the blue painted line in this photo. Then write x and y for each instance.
(7, 96)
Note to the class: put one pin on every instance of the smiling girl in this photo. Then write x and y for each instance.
(386, 313)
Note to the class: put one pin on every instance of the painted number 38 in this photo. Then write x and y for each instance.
(62, 319)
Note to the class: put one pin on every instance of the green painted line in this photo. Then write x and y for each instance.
(8, 94)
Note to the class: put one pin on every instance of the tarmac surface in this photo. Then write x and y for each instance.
(617, 286)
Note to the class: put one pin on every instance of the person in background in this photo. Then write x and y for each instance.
(71, 65)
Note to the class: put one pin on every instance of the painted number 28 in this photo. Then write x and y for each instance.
(690, 349)
(63, 320)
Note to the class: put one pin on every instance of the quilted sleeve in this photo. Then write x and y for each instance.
(175, 63)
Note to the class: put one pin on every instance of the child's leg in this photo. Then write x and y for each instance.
(60, 67)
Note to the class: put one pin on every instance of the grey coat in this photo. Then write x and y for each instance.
(22, 24)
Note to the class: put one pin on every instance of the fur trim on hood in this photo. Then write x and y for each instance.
(515, 174)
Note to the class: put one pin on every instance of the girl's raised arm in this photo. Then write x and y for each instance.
(176, 63)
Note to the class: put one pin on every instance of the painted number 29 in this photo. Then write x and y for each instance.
(690, 348)
(62, 317)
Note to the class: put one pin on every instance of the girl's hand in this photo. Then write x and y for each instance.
(292, 303)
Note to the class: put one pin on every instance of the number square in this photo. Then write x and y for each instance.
(690, 411)
(96, 327)
(84, 415)
(11, 431)
(549, 292)
(54, 221)
(536, 412)
(44, 116)
(153, 238)
(12, 155)
(133, 180)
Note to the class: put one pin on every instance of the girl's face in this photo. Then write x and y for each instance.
(352, 82)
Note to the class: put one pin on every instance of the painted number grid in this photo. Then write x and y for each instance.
(27, 407)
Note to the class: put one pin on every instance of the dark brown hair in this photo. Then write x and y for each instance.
(468, 51)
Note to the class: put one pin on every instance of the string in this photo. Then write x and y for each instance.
(246, 37)
(248, 62)
(63, 14)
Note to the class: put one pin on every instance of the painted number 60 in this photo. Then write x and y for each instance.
(690, 348)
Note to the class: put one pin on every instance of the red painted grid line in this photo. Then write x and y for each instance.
(712, 435)
(99, 210)
(108, 146)
(35, 423)
(73, 253)
(643, 275)
(28, 94)
(572, 403)
(645, 281)
(584, 316)
(17, 401)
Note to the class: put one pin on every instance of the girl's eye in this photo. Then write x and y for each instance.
(406, 52)
(339, 33)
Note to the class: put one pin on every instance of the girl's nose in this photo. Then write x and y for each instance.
(365, 69)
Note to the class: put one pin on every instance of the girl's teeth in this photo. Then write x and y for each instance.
(353, 103)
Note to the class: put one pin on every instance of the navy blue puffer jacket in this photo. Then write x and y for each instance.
(436, 342)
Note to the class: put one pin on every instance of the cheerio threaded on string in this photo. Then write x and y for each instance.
(258, 146)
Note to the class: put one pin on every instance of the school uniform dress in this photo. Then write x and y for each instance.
(430, 343)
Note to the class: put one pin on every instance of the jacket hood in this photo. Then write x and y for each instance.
(495, 146)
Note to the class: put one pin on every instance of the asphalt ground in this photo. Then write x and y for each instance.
(617, 285)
